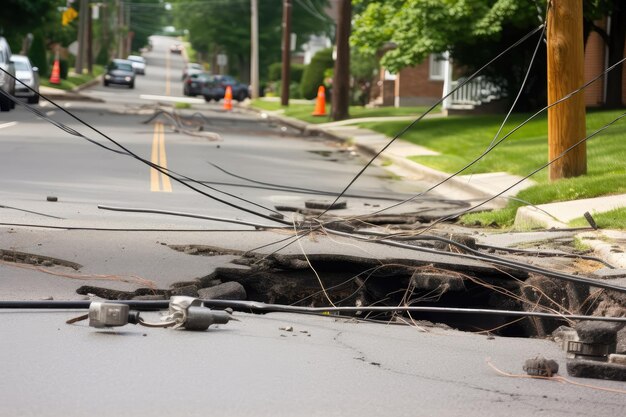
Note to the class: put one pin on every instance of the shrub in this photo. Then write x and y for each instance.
(275, 72)
(37, 55)
(313, 75)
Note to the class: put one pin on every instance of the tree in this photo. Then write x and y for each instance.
(147, 17)
(472, 30)
(19, 17)
(224, 27)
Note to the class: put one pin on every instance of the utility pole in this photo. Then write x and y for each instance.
(120, 29)
(566, 120)
(82, 36)
(254, 50)
(89, 54)
(341, 78)
(285, 81)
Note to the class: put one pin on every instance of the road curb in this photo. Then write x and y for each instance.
(605, 245)
(88, 84)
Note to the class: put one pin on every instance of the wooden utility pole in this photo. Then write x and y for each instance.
(285, 76)
(83, 13)
(254, 50)
(566, 120)
(89, 52)
(341, 78)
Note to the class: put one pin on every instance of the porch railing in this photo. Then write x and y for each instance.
(476, 92)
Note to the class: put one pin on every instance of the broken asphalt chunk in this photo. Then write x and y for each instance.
(226, 291)
(325, 205)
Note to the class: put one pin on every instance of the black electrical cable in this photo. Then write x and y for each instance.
(561, 155)
(151, 164)
(431, 108)
(255, 306)
(483, 154)
(493, 259)
(540, 253)
(113, 229)
(304, 190)
(137, 157)
(190, 215)
(31, 212)
(520, 41)
(537, 253)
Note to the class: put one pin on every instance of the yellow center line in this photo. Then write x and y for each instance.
(158, 181)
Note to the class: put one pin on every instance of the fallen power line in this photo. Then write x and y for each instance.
(254, 306)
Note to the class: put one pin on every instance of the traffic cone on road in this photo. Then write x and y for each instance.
(228, 98)
(320, 102)
(55, 76)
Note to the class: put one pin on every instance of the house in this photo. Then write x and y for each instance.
(596, 62)
(423, 84)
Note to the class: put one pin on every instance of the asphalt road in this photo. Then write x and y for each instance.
(38, 160)
(248, 367)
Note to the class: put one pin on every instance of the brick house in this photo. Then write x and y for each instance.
(596, 61)
(423, 84)
(419, 85)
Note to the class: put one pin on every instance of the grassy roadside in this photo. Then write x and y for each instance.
(462, 138)
(74, 80)
(614, 219)
(303, 111)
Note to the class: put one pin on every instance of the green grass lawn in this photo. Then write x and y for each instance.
(614, 219)
(303, 111)
(460, 139)
(74, 80)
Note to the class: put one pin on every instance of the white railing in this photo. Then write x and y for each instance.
(476, 92)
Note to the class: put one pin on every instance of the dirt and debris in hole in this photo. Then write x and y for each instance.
(352, 280)
(9, 255)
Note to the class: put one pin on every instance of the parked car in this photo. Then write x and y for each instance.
(139, 64)
(29, 75)
(194, 83)
(192, 68)
(176, 48)
(7, 82)
(120, 71)
(216, 88)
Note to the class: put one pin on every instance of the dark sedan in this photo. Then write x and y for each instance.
(120, 71)
(216, 88)
(193, 84)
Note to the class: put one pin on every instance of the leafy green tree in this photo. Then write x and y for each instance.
(19, 17)
(472, 30)
(147, 17)
(220, 26)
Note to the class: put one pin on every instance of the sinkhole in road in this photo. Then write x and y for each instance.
(359, 281)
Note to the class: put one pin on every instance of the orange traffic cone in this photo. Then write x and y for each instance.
(228, 98)
(55, 76)
(320, 102)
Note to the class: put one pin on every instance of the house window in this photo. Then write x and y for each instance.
(389, 76)
(437, 67)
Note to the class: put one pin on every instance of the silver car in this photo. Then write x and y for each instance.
(7, 82)
(27, 74)
(139, 64)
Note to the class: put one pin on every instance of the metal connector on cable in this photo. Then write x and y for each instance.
(184, 312)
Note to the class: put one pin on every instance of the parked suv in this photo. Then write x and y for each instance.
(7, 82)
(216, 88)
